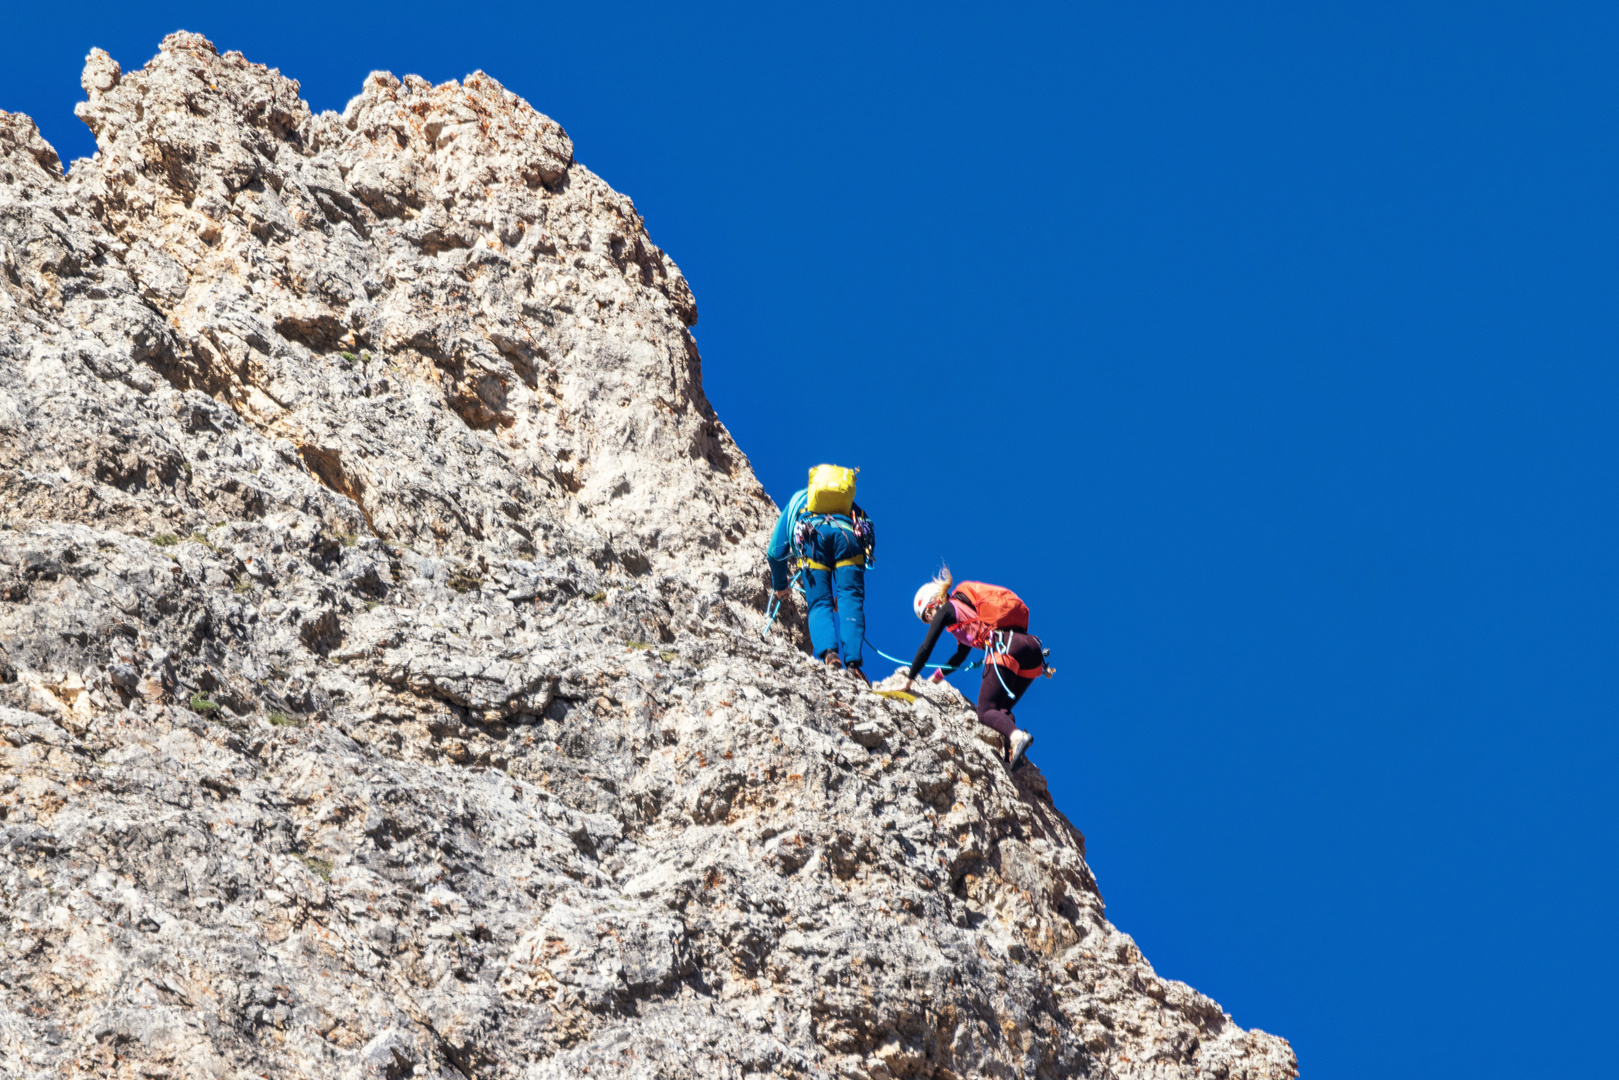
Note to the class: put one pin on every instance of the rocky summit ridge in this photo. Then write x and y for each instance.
(381, 685)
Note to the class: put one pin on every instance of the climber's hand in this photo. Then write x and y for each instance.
(907, 686)
(783, 594)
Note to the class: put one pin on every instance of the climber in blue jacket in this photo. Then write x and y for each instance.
(832, 541)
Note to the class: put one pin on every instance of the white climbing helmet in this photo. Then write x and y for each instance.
(925, 596)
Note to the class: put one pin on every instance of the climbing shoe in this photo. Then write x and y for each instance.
(1018, 746)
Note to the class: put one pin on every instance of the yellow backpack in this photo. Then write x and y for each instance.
(831, 490)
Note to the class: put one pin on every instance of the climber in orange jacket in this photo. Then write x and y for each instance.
(991, 618)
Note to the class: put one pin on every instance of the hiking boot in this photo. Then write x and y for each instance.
(859, 672)
(832, 661)
(1018, 746)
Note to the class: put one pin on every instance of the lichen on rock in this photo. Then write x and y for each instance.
(381, 682)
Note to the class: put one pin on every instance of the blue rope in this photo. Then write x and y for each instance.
(907, 663)
(773, 608)
(1008, 689)
(1001, 645)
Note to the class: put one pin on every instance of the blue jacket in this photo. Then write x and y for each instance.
(780, 548)
(781, 539)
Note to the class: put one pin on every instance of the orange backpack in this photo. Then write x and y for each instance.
(982, 611)
(992, 608)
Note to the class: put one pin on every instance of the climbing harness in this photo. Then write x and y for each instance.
(773, 607)
(998, 649)
(859, 527)
(811, 564)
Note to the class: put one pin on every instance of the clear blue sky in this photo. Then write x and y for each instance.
(1267, 349)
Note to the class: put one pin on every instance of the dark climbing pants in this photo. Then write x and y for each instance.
(994, 701)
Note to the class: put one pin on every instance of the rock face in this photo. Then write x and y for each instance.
(382, 691)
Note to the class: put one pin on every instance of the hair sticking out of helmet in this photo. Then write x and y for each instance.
(934, 592)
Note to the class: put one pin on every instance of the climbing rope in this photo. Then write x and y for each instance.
(907, 663)
(1008, 689)
(773, 607)
(998, 646)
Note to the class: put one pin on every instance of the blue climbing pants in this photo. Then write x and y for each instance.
(835, 565)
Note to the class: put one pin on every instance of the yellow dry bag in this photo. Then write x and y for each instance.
(831, 490)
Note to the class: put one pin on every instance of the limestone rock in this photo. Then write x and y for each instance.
(381, 682)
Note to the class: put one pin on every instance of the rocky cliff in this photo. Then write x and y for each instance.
(382, 691)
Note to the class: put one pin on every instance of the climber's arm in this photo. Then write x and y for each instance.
(781, 542)
(942, 619)
(956, 660)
